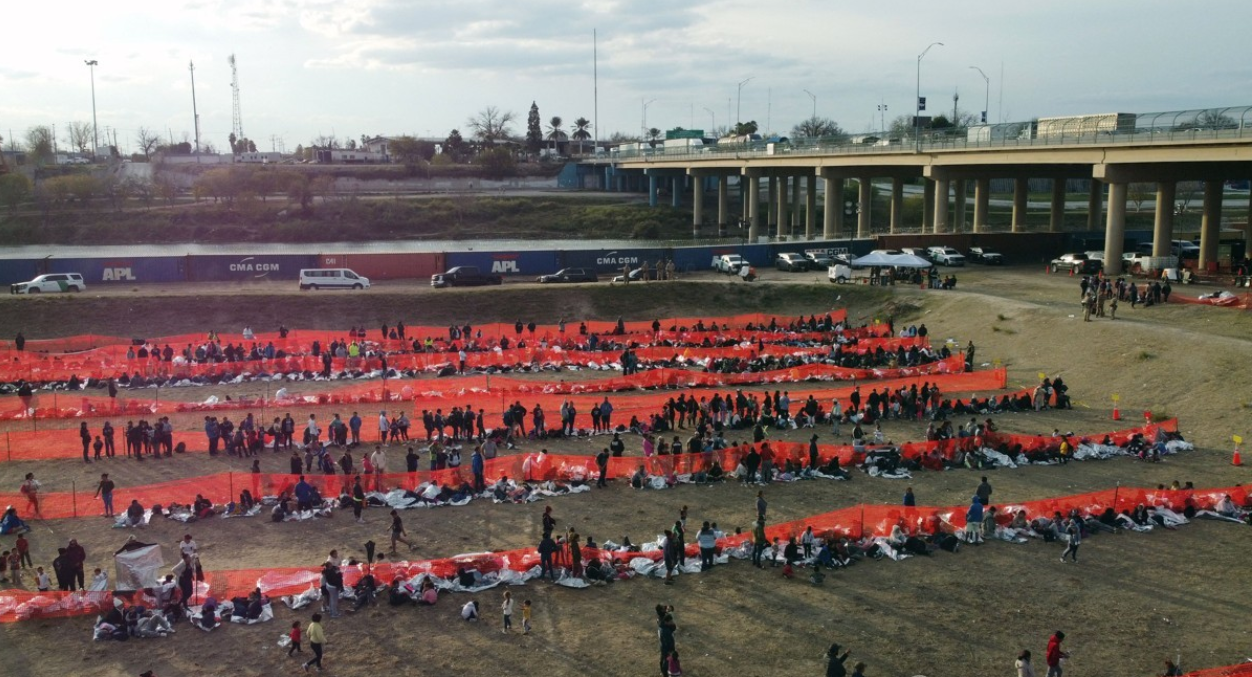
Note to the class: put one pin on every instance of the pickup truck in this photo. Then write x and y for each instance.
(464, 276)
(728, 263)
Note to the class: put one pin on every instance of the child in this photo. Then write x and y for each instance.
(526, 617)
(507, 608)
(42, 582)
(4, 566)
(15, 568)
(672, 666)
(23, 548)
(295, 639)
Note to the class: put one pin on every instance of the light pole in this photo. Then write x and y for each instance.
(917, 102)
(712, 121)
(644, 129)
(814, 98)
(882, 117)
(986, 101)
(95, 138)
(739, 101)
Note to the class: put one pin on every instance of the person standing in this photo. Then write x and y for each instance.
(506, 608)
(354, 425)
(478, 467)
(1024, 668)
(104, 491)
(761, 505)
(547, 547)
(526, 617)
(77, 558)
(294, 635)
(759, 542)
(317, 638)
(602, 463)
(384, 426)
(834, 662)
(973, 522)
(398, 533)
(984, 492)
(108, 433)
(1055, 654)
(1074, 531)
(665, 631)
(30, 489)
(85, 436)
(708, 546)
(910, 501)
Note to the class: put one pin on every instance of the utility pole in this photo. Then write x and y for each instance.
(814, 98)
(739, 101)
(236, 116)
(882, 117)
(986, 101)
(917, 115)
(95, 135)
(956, 98)
(194, 113)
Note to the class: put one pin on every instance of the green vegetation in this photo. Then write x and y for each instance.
(246, 218)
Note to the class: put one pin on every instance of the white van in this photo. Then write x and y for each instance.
(331, 278)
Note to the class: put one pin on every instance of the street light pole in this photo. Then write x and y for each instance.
(739, 101)
(917, 102)
(644, 129)
(986, 101)
(95, 134)
(712, 121)
(814, 98)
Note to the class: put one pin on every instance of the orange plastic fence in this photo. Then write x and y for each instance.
(62, 406)
(223, 487)
(1238, 301)
(855, 521)
(85, 342)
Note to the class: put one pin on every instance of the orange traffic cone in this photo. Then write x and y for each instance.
(1237, 460)
(1071, 272)
(1117, 414)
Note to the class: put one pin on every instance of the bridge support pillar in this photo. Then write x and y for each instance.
(782, 199)
(1056, 217)
(723, 201)
(1095, 201)
(1021, 191)
(771, 206)
(1210, 224)
(928, 204)
(897, 204)
(1115, 229)
(832, 209)
(958, 209)
(754, 207)
(796, 214)
(652, 190)
(676, 192)
(942, 190)
(810, 207)
(865, 207)
(982, 199)
(1163, 227)
(697, 204)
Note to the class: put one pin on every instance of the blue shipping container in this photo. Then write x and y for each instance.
(244, 268)
(506, 263)
(18, 270)
(612, 260)
(123, 269)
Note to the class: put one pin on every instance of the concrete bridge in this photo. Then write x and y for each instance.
(790, 174)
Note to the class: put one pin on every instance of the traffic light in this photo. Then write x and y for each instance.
(921, 103)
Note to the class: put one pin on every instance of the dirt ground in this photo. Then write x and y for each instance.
(1133, 601)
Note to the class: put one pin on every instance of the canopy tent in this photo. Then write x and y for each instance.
(891, 261)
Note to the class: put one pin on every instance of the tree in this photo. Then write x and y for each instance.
(491, 125)
(1138, 193)
(80, 136)
(582, 127)
(620, 137)
(251, 146)
(901, 126)
(654, 136)
(940, 121)
(746, 128)
(818, 128)
(407, 150)
(39, 145)
(300, 151)
(497, 162)
(14, 188)
(351, 144)
(147, 142)
(234, 143)
(534, 135)
(454, 145)
(555, 131)
(1211, 119)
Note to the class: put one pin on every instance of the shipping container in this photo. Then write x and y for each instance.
(506, 263)
(611, 260)
(19, 270)
(123, 269)
(410, 266)
(244, 268)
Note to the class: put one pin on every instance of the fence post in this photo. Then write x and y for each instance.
(8, 447)
(74, 497)
(231, 475)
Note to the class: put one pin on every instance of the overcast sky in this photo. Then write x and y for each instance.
(353, 67)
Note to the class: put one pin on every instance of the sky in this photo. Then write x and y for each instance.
(348, 68)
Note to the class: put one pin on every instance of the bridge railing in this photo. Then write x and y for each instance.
(1212, 124)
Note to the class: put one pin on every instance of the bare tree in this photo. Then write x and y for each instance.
(147, 141)
(39, 144)
(80, 136)
(817, 128)
(491, 125)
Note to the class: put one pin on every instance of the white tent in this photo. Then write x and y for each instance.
(138, 566)
(891, 261)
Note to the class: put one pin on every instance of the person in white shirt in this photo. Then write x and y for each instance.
(384, 426)
(188, 547)
(42, 582)
(470, 611)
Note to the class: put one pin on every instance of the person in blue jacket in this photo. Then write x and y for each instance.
(973, 521)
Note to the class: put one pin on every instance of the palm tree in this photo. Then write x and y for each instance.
(554, 130)
(581, 125)
(654, 135)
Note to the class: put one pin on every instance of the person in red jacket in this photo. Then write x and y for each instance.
(1055, 654)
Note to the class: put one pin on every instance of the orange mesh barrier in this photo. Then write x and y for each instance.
(856, 521)
(224, 487)
(85, 342)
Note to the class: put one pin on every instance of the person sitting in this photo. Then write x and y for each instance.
(429, 594)
(469, 612)
(396, 594)
(640, 477)
(11, 524)
(202, 508)
(1226, 507)
(365, 589)
(134, 514)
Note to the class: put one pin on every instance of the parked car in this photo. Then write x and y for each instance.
(919, 252)
(331, 278)
(728, 263)
(947, 256)
(791, 262)
(636, 275)
(985, 256)
(51, 283)
(570, 275)
(1079, 264)
(819, 260)
(464, 276)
